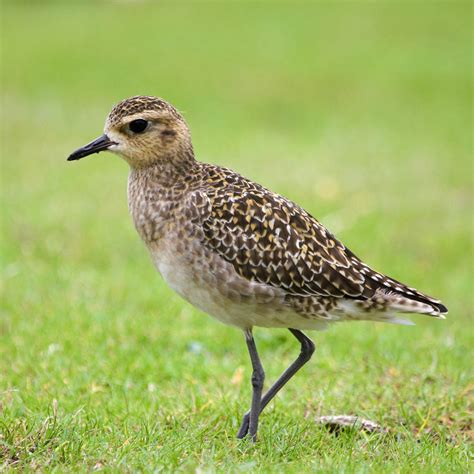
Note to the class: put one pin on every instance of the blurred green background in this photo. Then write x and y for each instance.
(359, 111)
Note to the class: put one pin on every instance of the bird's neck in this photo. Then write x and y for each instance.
(162, 182)
(154, 193)
(165, 169)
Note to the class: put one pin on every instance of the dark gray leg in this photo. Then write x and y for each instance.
(307, 350)
(258, 377)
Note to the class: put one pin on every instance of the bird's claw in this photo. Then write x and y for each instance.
(244, 427)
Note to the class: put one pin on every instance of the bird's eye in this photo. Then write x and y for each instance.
(138, 126)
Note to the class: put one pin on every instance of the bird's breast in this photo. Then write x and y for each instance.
(151, 213)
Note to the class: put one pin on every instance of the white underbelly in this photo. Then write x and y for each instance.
(207, 295)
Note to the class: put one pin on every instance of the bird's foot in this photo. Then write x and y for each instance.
(244, 428)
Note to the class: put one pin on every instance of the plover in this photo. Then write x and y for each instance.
(238, 251)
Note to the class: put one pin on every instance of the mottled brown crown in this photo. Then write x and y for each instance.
(141, 103)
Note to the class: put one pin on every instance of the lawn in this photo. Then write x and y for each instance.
(361, 112)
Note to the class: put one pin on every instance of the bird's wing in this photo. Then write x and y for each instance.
(272, 240)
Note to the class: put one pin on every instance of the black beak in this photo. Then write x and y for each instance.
(99, 144)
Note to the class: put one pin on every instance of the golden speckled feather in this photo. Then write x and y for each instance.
(270, 239)
(241, 253)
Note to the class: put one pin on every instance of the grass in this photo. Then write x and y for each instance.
(361, 112)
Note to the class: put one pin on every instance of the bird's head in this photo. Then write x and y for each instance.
(143, 130)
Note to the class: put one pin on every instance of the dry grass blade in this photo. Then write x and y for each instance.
(339, 422)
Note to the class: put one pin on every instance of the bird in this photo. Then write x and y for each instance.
(237, 251)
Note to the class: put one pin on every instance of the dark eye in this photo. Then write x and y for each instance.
(137, 126)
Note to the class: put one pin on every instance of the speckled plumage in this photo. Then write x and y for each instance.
(140, 104)
(244, 245)
(241, 253)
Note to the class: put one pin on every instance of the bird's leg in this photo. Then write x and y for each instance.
(258, 377)
(307, 350)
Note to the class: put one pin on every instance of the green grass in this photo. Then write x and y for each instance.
(361, 112)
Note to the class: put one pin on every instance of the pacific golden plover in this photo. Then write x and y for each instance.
(237, 251)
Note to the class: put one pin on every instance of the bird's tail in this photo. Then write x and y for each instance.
(401, 298)
(385, 305)
(404, 304)
(385, 295)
